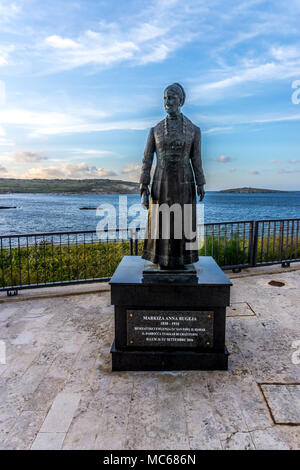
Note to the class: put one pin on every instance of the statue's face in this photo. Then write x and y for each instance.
(171, 102)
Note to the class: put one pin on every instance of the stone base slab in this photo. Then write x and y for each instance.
(135, 360)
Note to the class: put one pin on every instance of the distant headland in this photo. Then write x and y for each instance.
(251, 190)
(69, 186)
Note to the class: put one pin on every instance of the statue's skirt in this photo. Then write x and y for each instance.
(170, 237)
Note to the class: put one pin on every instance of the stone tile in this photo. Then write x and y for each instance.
(24, 431)
(6, 312)
(240, 309)
(8, 417)
(20, 364)
(269, 439)
(237, 441)
(62, 365)
(84, 427)
(143, 421)
(83, 431)
(265, 349)
(252, 405)
(48, 353)
(236, 362)
(284, 402)
(290, 435)
(26, 337)
(114, 419)
(37, 310)
(16, 392)
(83, 369)
(41, 399)
(48, 441)
(73, 343)
(228, 414)
(61, 413)
(201, 423)
(172, 432)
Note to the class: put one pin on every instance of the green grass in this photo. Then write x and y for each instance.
(45, 263)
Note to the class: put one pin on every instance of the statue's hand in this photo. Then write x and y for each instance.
(144, 190)
(201, 192)
(145, 200)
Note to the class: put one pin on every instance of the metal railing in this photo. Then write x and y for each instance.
(60, 258)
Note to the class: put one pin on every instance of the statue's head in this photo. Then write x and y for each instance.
(174, 98)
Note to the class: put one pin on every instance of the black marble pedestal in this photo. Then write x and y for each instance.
(169, 325)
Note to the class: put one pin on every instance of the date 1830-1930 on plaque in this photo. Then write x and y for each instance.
(170, 329)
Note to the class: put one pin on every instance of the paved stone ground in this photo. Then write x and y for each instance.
(57, 390)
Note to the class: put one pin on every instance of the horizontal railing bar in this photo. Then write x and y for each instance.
(138, 229)
(75, 232)
(276, 220)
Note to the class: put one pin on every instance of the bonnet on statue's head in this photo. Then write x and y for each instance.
(179, 90)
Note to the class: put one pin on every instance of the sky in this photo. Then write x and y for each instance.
(81, 84)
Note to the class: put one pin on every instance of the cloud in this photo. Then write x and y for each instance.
(283, 171)
(93, 152)
(8, 10)
(277, 63)
(50, 172)
(60, 43)
(27, 156)
(285, 52)
(46, 123)
(275, 161)
(3, 169)
(254, 172)
(69, 170)
(266, 72)
(5, 52)
(148, 35)
(132, 171)
(294, 160)
(232, 170)
(52, 123)
(104, 173)
(274, 118)
(31, 118)
(213, 130)
(223, 159)
(100, 126)
(102, 48)
(132, 167)
(5, 142)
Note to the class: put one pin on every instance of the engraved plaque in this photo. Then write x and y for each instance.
(169, 328)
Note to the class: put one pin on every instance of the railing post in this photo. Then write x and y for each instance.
(131, 242)
(280, 243)
(254, 239)
(135, 246)
(250, 241)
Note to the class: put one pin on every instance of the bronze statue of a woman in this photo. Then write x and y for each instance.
(177, 144)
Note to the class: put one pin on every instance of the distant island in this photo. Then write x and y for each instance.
(251, 190)
(69, 186)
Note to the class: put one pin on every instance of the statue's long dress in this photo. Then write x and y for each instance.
(176, 143)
